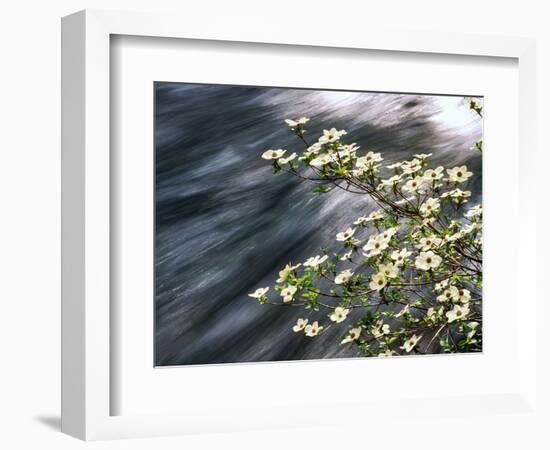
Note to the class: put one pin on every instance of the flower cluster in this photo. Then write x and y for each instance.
(405, 277)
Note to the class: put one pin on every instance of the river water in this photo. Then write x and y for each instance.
(225, 226)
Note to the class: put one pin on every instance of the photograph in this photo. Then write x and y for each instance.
(297, 224)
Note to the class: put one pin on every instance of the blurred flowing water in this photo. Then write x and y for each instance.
(225, 226)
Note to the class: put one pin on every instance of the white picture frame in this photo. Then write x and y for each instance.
(86, 245)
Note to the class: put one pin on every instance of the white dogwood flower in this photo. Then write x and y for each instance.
(432, 175)
(472, 227)
(457, 313)
(441, 285)
(375, 215)
(378, 281)
(375, 245)
(429, 206)
(313, 329)
(405, 200)
(353, 335)
(288, 293)
(287, 159)
(387, 353)
(455, 237)
(411, 167)
(300, 325)
(427, 221)
(410, 343)
(349, 148)
(404, 311)
(368, 160)
(273, 154)
(434, 313)
(343, 277)
(259, 293)
(457, 194)
(426, 243)
(396, 165)
(464, 295)
(414, 185)
(345, 235)
(315, 261)
(380, 329)
(460, 194)
(399, 256)
(331, 135)
(339, 314)
(474, 212)
(390, 181)
(346, 256)
(389, 270)
(459, 174)
(296, 122)
(423, 156)
(388, 233)
(448, 294)
(345, 152)
(473, 329)
(427, 260)
(311, 150)
(321, 160)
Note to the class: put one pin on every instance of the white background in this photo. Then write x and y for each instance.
(29, 143)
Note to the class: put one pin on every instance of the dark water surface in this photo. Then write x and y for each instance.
(225, 226)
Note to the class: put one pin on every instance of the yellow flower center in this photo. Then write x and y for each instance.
(429, 260)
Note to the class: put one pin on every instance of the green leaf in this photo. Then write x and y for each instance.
(321, 189)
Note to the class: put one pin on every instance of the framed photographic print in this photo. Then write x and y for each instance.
(242, 245)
